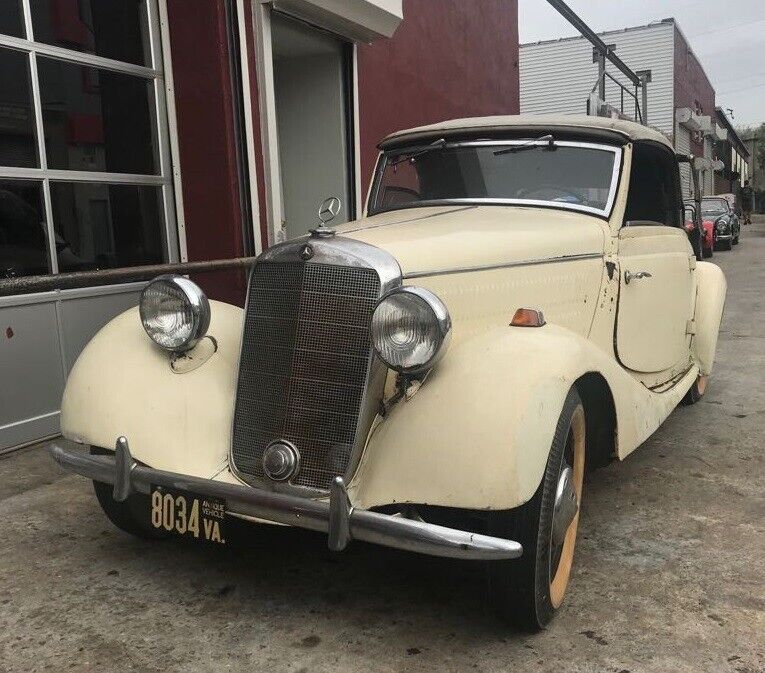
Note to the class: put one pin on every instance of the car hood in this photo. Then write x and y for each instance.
(436, 239)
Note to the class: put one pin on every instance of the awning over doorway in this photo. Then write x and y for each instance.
(356, 20)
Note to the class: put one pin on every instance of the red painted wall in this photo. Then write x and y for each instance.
(692, 88)
(451, 58)
(206, 137)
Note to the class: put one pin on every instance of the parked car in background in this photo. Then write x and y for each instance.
(708, 230)
(726, 223)
(519, 300)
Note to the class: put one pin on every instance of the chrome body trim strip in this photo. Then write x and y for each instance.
(337, 517)
(417, 218)
(506, 265)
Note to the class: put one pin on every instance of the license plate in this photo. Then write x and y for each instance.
(190, 515)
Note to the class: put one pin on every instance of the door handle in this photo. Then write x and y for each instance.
(628, 276)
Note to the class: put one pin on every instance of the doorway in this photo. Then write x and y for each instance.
(313, 116)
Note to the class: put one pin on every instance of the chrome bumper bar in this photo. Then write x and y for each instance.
(341, 521)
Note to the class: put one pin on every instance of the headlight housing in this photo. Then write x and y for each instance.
(411, 329)
(175, 312)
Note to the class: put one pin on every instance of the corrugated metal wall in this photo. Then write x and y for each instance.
(556, 77)
(683, 146)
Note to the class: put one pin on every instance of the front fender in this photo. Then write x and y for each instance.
(478, 432)
(122, 384)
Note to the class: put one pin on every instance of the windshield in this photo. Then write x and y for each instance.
(562, 174)
(714, 207)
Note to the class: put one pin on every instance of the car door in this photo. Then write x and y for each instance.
(657, 283)
(656, 291)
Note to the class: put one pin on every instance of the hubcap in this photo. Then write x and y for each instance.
(566, 506)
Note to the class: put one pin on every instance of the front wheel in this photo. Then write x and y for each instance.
(529, 590)
(133, 515)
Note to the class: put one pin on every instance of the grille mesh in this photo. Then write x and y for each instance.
(305, 356)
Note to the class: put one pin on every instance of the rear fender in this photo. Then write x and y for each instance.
(710, 302)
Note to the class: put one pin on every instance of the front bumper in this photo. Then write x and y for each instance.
(338, 518)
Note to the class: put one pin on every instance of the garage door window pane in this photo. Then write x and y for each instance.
(23, 242)
(11, 22)
(96, 120)
(17, 136)
(110, 28)
(101, 226)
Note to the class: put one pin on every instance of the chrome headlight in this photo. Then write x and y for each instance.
(175, 312)
(410, 329)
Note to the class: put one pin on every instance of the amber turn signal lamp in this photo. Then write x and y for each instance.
(527, 317)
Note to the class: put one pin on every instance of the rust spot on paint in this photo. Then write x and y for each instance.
(9, 333)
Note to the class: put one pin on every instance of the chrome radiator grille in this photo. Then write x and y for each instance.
(304, 366)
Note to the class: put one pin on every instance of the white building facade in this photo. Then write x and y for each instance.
(559, 76)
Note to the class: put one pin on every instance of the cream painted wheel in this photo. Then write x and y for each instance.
(528, 591)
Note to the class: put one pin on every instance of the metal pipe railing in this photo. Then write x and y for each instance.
(80, 279)
(600, 83)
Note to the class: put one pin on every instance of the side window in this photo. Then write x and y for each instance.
(654, 195)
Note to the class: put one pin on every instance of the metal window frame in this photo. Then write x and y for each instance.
(163, 118)
(262, 17)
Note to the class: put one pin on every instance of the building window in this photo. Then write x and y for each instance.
(85, 178)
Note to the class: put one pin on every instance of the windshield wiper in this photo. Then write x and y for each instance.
(435, 145)
(530, 145)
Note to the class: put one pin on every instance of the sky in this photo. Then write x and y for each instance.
(727, 36)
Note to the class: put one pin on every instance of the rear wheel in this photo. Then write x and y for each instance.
(528, 591)
(132, 515)
(696, 391)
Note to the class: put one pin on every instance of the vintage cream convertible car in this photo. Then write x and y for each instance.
(547, 255)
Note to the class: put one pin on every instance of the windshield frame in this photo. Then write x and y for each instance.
(605, 212)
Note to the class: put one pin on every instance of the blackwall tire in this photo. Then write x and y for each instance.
(696, 391)
(529, 590)
(131, 516)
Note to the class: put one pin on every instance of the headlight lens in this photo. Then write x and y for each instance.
(410, 329)
(175, 312)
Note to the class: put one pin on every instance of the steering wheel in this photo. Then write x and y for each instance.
(551, 193)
